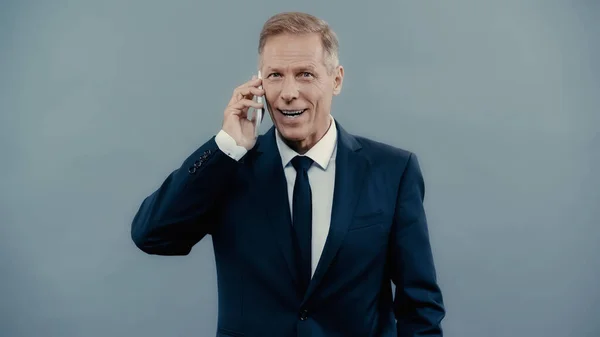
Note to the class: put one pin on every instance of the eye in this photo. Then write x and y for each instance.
(274, 75)
(306, 74)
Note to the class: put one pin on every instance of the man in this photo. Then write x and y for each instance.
(309, 223)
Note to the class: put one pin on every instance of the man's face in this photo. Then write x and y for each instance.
(298, 88)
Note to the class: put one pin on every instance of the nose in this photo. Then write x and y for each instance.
(289, 91)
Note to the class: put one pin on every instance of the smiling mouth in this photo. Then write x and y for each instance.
(292, 113)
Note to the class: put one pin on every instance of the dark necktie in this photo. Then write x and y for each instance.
(302, 217)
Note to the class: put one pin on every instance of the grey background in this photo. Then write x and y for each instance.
(100, 100)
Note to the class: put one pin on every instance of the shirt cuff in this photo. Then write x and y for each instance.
(228, 146)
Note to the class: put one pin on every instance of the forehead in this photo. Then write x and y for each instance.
(289, 50)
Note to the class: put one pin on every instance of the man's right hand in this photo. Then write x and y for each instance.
(235, 121)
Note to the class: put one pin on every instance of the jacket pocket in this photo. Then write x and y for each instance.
(367, 220)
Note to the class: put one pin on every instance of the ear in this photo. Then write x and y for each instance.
(338, 80)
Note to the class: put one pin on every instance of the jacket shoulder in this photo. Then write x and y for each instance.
(380, 151)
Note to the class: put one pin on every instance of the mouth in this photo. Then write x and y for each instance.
(291, 113)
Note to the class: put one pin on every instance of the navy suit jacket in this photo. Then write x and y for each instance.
(378, 234)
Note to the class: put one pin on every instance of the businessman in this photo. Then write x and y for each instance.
(310, 224)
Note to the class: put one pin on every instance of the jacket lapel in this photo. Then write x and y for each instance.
(351, 169)
(272, 195)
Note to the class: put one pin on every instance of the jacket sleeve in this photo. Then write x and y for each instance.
(418, 304)
(185, 207)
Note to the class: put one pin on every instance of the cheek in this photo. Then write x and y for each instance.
(315, 92)
(269, 98)
(307, 95)
(271, 92)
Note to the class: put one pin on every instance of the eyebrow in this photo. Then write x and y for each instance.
(306, 67)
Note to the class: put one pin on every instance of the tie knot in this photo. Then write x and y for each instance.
(302, 163)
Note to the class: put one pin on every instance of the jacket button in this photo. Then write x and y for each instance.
(304, 315)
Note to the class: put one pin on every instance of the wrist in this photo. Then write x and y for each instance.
(229, 146)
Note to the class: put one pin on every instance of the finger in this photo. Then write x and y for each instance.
(237, 92)
(248, 92)
(254, 82)
(231, 111)
(241, 108)
(246, 103)
(244, 90)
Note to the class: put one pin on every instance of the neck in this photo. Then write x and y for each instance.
(302, 146)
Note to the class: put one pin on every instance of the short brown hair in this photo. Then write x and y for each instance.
(302, 23)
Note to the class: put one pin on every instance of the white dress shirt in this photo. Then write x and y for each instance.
(321, 176)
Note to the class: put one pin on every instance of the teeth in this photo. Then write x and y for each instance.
(291, 112)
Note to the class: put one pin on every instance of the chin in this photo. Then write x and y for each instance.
(292, 133)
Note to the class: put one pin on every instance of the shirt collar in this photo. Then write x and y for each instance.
(321, 153)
